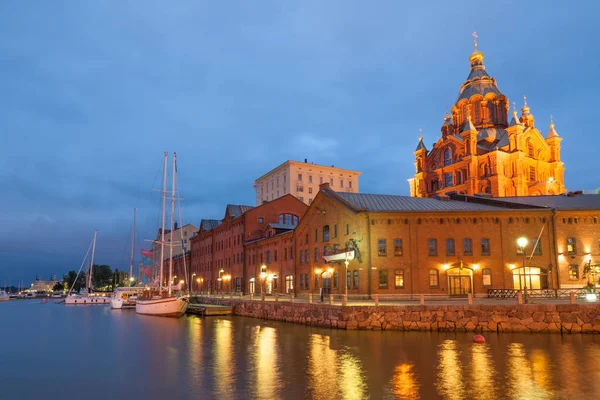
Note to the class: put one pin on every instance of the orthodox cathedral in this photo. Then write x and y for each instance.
(480, 151)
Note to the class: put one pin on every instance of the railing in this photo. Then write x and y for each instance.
(535, 293)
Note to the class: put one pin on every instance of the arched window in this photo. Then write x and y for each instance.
(326, 233)
(530, 149)
(355, 279)
(447, 157)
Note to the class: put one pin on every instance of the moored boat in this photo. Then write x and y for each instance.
(4, 296)
(125, 297)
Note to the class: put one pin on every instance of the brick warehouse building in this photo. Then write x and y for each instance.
(455, 245)
(218, 250)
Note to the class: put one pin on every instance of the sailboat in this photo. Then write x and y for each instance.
(125, 297)
(85, 296)
(164, 303)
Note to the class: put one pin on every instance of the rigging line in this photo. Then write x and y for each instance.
(185, 272)
(81, 266)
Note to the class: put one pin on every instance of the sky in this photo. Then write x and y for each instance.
(93, 92)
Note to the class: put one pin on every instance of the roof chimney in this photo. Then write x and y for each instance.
(306, 161)
(175, 225)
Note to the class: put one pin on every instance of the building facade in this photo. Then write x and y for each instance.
(179, 238)
(446, 245)
(302, 180)
(481, 151)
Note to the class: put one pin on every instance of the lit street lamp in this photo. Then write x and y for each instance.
(263, 275)
(192, 282)
(522, 243)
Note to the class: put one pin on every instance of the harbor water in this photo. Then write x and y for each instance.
(93, 352)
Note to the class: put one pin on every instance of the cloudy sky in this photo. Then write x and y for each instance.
(93, 92)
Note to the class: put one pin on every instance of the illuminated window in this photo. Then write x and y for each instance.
(399, 278)
(434, 278)
(486, 275)
(574, 272)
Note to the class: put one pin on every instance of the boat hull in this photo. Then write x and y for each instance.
(86, 300)
(162, 307)
(4, 298)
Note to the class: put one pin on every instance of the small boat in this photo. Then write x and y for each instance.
(337, 257)
(125, 297)
(4, 296)
(87, 296)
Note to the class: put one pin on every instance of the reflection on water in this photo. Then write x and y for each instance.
(482, 373)
(449, 374)
(404, 382)
(267, 377)
(235, 358)
(223, 359)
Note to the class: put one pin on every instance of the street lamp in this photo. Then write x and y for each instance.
(263, 275)
(522, 243)
(220, 279)
(346, 278)
(130, 280)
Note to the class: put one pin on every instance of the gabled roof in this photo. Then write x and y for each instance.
(235, 211)
(385, 202)
(208, 224)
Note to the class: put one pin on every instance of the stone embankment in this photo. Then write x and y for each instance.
(534, 318)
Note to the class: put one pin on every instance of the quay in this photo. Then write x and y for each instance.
(444, 316)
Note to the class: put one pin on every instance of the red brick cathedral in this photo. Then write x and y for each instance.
(480, 151)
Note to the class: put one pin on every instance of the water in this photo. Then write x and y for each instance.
(92, 352)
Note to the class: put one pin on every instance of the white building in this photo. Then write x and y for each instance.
(302, 180)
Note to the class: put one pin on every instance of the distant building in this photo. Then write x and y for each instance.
(302, 180)
(180, 238)
(43, 286)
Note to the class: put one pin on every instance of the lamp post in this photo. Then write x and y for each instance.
(220, 280)
(199, 285)
(346, 278)
(130, 281)
(522, 243)
(263, 276)
(192, 283)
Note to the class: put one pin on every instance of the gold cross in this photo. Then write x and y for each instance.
(420, 134)
(514, 107)
(475, 39)
(525, 100)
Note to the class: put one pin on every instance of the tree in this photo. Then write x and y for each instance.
(58, 287)
(598, 191)
(103, 276)
(69, 280)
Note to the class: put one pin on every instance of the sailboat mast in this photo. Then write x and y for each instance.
(92, 260)
(162, 229)
(132, 247)
(172, 221)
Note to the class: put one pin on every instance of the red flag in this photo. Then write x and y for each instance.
(147, 253)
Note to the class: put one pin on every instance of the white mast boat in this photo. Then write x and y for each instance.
(125, 297)
(164, 304)
(86, 297)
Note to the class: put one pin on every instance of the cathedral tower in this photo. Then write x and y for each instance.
(480, 151)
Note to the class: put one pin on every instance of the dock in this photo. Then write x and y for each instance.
(208, 310)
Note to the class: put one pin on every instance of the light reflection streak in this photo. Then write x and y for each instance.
(194, 363)
(520, 376)
(405, 384)
(483, 373)
(351, 377)
(267, 372)
(223, 359)
(321, 368)
(449, 372)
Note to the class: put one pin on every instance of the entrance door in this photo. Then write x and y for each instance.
(326, 285)
(252, 286)
(460, 282)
